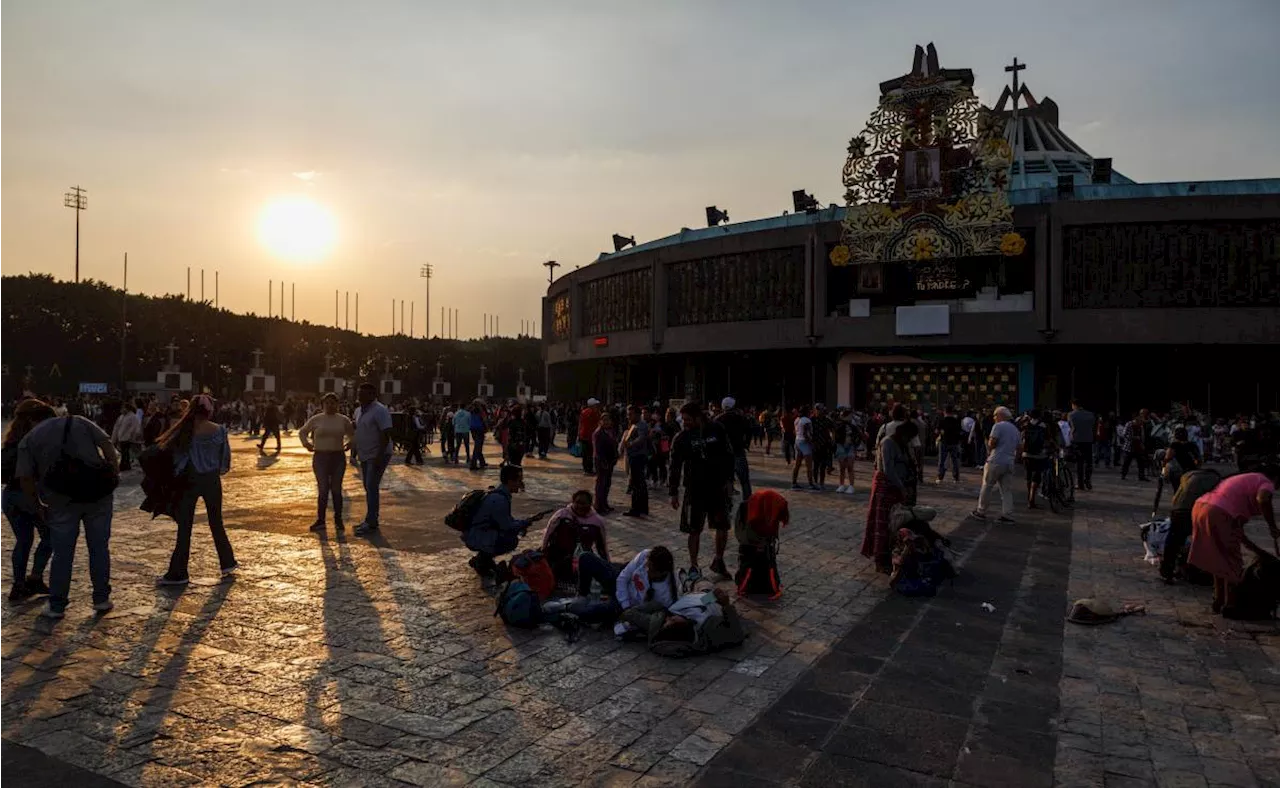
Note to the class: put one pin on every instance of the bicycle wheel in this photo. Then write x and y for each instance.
(1066, 484)
(1051, 492)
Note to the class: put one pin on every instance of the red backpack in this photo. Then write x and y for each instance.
(531, 566)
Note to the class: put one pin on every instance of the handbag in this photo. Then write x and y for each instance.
(77, 480)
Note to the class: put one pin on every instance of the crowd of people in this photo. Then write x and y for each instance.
(699, 456)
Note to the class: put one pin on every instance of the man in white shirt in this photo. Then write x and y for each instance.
(373, 446)
(461, 433)
(998, 472)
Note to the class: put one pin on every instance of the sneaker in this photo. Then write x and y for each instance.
(49, 612)
(366, 528)
(19, 592)
(1004, 518)
(718, 567)
(318, 525)
(850, 491)
(167, 580)
(104, 606)
(692, 576)
(629, 513)
(977, 515)
(36, 586)
(229, 570)
(337, 523)
(815, 487)
(796, 487)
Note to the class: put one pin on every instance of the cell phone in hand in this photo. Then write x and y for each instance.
(545, 512)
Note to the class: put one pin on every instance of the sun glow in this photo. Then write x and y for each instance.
(297, 228)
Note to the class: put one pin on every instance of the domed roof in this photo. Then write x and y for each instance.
(1041, 150)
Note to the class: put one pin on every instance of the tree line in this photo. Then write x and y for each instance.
(68, 333)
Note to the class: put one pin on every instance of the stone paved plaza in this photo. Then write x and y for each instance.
(338, 661)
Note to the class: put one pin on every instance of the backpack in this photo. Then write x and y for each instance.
(77, 480)
(518, 606)
(1258, 594)
(758, 570)
(919, 567)
(532, 567)
(1034, 439)
(464, 511)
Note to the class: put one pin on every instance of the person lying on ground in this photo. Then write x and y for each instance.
(648, 583)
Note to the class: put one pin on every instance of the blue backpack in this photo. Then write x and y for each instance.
(518, 606)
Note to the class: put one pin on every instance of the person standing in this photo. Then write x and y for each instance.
(604, 443)
(788, 419)
(414, 433)
(21, 511)
(738, 427)
(892, 484)
(804, 449)
(373, 446)
(201, 455)
(950, 435)
(638, 445)
(1036, 446)
(1002, 449)
(270, 425)
(478, 428)
(125, 434)
(327, 435)
(1133, 444)
(68, 470)
(588, 421)
(546, 429)
(702, 457)
(461, 434)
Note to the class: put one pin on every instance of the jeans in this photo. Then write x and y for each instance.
(949, 451)
(267, 432)
(371, 476)
(1102, 454)
(743, 472)
(993, 476)
(209, 487)
(544, 441)
(329, 468)
(639, 484)
(477, 450)
(1130, 456)
(604, 480)
(788, 447)
(588, 450)
(461, 439)
(126, 451)
(414, 449)
(1084, 464)
(593, 567)
(25, 526)
(515, 454)
(64, 529)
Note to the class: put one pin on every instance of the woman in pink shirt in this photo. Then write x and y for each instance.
(1217, 535)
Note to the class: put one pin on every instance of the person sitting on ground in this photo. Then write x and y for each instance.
(647, 584)
(493, 531)
(574, 526)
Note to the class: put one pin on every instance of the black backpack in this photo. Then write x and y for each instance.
(77, 480)
(1034, 439)
(465, 510)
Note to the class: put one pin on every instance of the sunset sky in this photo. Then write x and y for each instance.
(487, 137)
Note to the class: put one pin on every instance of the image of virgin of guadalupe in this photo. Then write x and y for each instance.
(923, 170)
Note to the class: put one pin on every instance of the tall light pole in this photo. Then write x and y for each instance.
(78, 199)
(551, 266)
(425, 273)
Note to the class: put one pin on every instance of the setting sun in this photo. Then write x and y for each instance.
(296, 228)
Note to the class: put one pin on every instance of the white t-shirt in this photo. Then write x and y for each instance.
(804, 429)
(966, 424)
(1007, 438)
(1065, 429)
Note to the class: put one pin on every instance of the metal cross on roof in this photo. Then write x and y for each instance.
(1015, 68)
(172, 348)
(257, 358)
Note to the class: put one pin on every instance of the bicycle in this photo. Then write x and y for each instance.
(1060, 485)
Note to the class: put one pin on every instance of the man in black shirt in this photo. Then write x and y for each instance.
(270, 425)
(738, 429)
(950, 434)
(702, 455)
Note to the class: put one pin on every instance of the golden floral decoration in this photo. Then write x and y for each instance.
(1012, 244)
(840, 256)
(922, 248)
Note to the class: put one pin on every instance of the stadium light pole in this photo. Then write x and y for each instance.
(78, 199)
(551, 266)
(425, 273)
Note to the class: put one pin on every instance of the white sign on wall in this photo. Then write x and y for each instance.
(927, 320)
